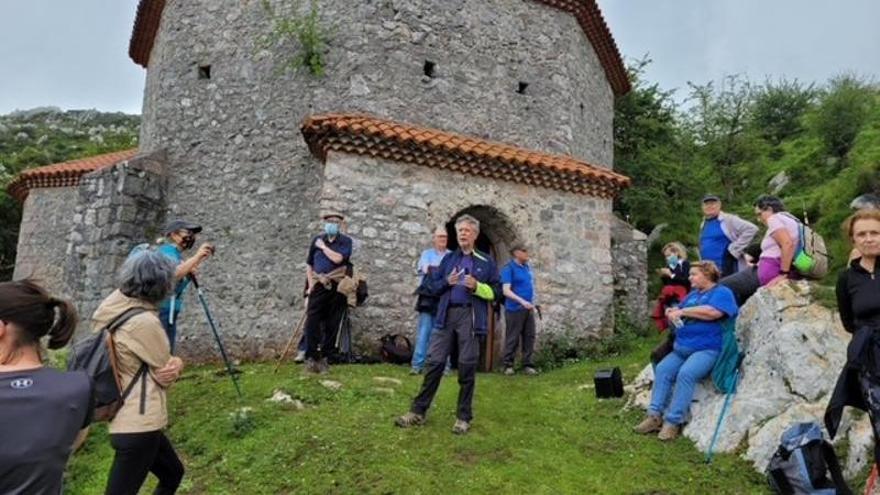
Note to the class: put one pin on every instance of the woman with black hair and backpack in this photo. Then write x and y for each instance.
(42, 408)
(143, 359)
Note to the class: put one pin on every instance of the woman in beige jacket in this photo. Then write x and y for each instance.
(136, 433)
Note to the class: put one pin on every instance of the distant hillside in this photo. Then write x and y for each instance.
(32, 138)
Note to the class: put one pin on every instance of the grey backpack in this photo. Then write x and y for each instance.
(802, 463)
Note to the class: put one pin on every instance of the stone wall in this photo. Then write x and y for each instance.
(118, 207)
(393, 207)
(238, 164)
(47, 217)
(629, 253)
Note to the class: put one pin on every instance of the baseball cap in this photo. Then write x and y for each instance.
(333, 214)
(711, 197)
(178, 224)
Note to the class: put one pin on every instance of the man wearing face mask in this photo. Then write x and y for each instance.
(327, 262)
(180, 236)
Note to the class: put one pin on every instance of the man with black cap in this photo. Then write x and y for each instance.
(327, 263)
(724, 237)
(180, 236)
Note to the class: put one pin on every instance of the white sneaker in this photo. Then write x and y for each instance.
(300, 357)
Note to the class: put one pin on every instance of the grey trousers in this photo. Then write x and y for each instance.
(519, 325)
(458, 331)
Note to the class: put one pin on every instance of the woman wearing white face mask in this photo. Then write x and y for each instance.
(675, 281)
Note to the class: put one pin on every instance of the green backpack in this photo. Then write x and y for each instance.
(724, 373)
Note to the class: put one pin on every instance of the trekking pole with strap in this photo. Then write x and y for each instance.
(727, 400)
(293, 337)
(216, 335)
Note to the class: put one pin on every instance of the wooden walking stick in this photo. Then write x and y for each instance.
(297, 332)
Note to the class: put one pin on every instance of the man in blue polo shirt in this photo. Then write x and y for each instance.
(518, 286)
(724, 237)
(327, 262)
(180, 236)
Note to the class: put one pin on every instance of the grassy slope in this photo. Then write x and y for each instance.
(537, 435)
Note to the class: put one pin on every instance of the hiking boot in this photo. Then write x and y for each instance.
(460, 427)
(669, 432)
(323, 366)
(651, 424)
(312, 367)
(300, 357)
(509, 371)
(410, 419)
(530, 371)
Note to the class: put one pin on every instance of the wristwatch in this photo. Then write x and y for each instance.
(784, 272)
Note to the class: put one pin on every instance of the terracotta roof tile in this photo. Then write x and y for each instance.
(63, 174)
(366, 135)
(146, 25)
(587, 13)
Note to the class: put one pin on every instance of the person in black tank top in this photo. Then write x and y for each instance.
(43, 409)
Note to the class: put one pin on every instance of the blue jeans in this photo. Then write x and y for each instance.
(170, 328)
(677, 375)
(420, 353)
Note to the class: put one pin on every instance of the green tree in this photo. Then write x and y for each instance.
(779, 108)
(842, 112)
(718, 120)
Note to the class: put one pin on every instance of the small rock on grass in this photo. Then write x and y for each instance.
(283, 398)
(383, 390)
(331, 385)
(586, 386)
(387, 380)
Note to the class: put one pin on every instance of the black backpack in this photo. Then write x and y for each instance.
(395, 349)
(96, 355)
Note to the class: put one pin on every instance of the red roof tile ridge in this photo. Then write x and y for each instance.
(321, 130)
(68, 173)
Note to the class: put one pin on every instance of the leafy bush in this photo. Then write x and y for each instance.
(779, 108)
(563, 349)
(842, 112)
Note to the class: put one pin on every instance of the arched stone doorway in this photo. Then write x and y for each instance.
(497, 235)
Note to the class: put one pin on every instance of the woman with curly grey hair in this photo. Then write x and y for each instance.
(136, 435)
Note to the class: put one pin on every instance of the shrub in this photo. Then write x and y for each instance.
(842, 112)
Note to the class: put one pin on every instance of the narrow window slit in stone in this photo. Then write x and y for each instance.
(204, 72)
(522, 87)
(428, 68)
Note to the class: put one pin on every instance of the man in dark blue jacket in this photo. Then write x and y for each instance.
(466, 282)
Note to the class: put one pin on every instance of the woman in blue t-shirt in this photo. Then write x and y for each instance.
(698, 339)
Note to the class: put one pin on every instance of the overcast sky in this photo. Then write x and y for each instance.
(74, 53)
(704, 40)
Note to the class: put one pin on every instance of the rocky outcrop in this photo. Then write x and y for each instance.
(794, 351)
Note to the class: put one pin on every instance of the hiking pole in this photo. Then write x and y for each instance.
(201, 295)
(296, 332)
(721, 417)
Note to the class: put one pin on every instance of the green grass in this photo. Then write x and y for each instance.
(530, 435)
